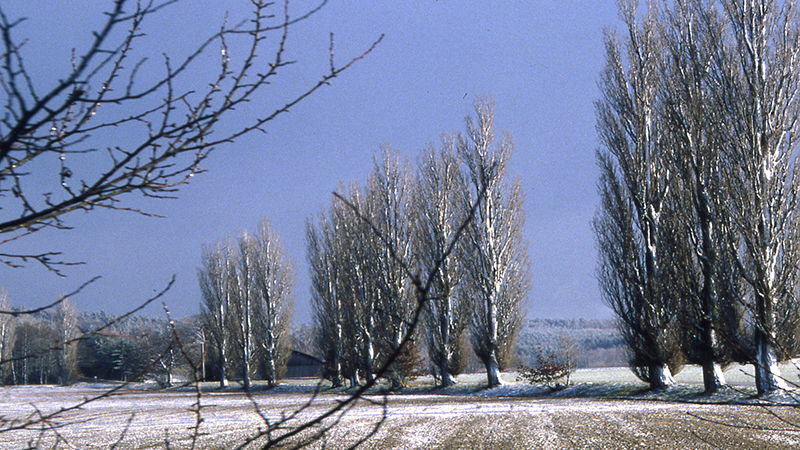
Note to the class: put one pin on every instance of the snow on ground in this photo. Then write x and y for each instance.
(514, 415)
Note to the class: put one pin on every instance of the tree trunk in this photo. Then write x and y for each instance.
(768, 375)
(492, 372)
(246, 344)
(272, 370)
(713, 377)
(203, 359)
(447, 346)
(660, 376)
(168, 379)
(492, 369)
(396, 376)
(338, 380)
(223, 363)
(447, 378)
(272, 353)
(2, 354)
(369, 359)
(336, 377)
(223, 341)
(246, 370)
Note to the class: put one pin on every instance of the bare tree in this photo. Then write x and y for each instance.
(691, 29)
(326, 298)
(55, 152)
(356, 280)
(242, 306)
(757, 68)
(273, 279)
(495, 262)
(66, 325)
(215, 280)
(440, 211)
(359, 271)
(156, 343)
(635, 183)
(7, 336)
(347, 294)
(390, 213)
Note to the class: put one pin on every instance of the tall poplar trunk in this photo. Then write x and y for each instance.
(337, 379)
(223, 354)
(3, 327)
(713, 377)
(660, 376)
(768, 197)
(272, 356)
(369, 357)
(447, 377)
(447, 346)
(396, 375)
(768, 374)
(203, 347)
(223, 365)
(246, 349)
(492, 369)
(492, 372)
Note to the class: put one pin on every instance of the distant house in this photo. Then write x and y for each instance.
(301, 365)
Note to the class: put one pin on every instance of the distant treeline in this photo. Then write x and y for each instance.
(593, 342)
(63, 345)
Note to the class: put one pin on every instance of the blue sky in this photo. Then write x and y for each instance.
(540, 61)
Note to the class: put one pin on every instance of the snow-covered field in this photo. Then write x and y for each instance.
(604, 409)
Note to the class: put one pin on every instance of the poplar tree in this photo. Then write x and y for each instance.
(215, 288)
(636, 179)
(757, 68)
(496, 277)
(7, 335)
(440, 211)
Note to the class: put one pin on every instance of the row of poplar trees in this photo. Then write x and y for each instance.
(698, 228)
(457, 212)
(247, 303)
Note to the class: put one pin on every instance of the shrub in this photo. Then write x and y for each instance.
(548, 370)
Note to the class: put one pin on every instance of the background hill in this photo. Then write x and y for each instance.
(591, 342)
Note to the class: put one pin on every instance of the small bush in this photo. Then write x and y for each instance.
(408, 366)
(547, 371)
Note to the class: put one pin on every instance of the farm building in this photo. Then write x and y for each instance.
(302, 365)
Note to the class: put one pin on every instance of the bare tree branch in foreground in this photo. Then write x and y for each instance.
(60, 145)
